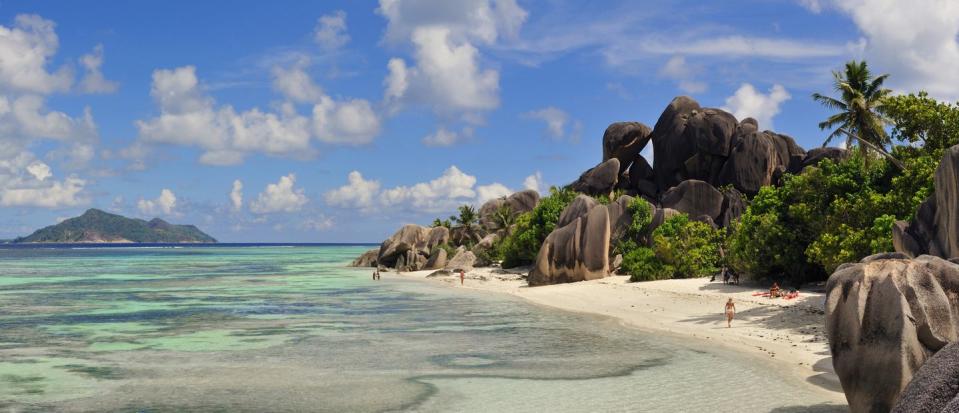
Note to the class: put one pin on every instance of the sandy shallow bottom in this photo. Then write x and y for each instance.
(789, 334)
(271, 329)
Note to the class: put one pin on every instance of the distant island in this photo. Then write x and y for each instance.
(96, 226)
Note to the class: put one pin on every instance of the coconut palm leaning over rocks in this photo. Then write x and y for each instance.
(860, 105)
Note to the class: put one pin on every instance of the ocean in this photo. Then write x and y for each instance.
(277, 328)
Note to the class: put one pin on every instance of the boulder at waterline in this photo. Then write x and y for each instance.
(408, 238)
(888, 315)
(437, 259)
(463, 260)
(367, 259)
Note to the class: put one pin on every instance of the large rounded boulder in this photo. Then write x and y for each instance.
(624, 141)
(888, 314)
(409, 238)
(367, 259)
(752, 164)
(518, 203)
(695, 198)
(817, 155)
(600, 180)
(578, 251)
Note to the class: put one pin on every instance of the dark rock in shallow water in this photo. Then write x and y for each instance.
(368, 259)
(935, 387)
(888, 316)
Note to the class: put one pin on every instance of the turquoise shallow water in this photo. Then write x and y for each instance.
(290, 329)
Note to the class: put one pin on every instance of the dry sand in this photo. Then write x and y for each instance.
(788, 332)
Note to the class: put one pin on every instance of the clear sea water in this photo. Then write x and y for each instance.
(268, 328)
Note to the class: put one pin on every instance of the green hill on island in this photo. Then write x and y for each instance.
(99, 226)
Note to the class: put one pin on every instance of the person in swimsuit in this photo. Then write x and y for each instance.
(730, 312)
(462, 276)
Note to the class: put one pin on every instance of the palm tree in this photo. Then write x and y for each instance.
(503, 217)
(860, 105)
(467, 220)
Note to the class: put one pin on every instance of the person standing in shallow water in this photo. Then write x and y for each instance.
(730, 312)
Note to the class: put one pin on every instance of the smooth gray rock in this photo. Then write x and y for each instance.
(816, 155)
(695, 198)
(734, 204)
(578, 251)
(752, 164)
(518, 202)
(712, 131)
(888, 316)
(578, 208)
(463, 260)
(408, 238)
(789, 154)
(367, 259)
(624, 141)
(671, 145)
(437, 259)
(600, 180)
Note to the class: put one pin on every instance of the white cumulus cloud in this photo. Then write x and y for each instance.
(164, 204)
(282, 196)
(916, 41)
(236, 195)
(93, 80)
(330, 32)
(535, 182)
(25, 50)
(358, 192)
(748, 102)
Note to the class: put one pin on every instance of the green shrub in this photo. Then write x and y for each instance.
(691, 248)
(642, 264)
(833, 213)
(521, 246)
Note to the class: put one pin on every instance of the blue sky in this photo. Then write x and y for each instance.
(338, 121)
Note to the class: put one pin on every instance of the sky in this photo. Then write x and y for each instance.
(338, 121)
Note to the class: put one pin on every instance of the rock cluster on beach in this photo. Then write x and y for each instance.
(415, 247)
(892, 313)
(706, 165)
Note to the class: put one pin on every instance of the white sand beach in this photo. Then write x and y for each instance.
(789, 333)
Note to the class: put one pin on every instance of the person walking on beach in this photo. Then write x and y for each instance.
(462, 276)
(730, 312)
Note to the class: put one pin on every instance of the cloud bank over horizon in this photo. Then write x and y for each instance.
(349, 118)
